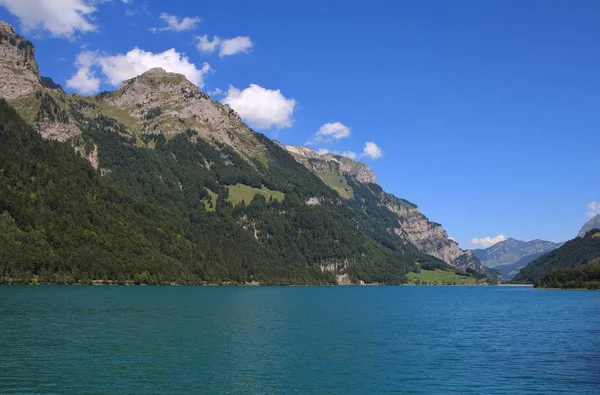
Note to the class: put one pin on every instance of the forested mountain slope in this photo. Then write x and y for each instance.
(203, 197)
(357, 184)
(574, 253)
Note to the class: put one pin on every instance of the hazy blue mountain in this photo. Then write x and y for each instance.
(509, 256)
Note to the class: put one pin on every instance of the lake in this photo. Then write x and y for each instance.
(298, 340)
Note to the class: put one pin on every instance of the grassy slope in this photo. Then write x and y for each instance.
(439, 277)
(213, 200)
(243, 193)
(338, 183)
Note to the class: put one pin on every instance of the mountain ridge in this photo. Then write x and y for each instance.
(429, 237)
(160, 137)
(575, 253)
(511, 255)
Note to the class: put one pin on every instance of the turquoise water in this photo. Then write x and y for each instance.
(298, 340)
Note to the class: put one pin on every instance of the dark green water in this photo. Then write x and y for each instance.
(347, 340)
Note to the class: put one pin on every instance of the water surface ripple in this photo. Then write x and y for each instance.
(298, 340)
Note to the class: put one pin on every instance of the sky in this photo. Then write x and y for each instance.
(486, 114)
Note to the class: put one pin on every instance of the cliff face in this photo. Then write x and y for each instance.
(32, 95)
(429, 237)
(18, 69)
(340, 173)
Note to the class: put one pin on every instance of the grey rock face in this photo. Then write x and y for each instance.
(19, 73)
(20, 81)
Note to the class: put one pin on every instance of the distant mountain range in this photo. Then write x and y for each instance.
(573, 254)
(530, 261)
(511, 255)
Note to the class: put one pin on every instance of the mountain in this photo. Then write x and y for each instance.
(573, 254)
(357, 184)
(164, 184)
(510, 255)
(593, 223)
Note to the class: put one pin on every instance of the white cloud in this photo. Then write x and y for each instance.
(62, 18)
(84, 80)
(175, 24)
(232, 46)
(227, 47)
(372, 151)
(593, 209)
(488, 241)
(261, 108)
(206, 45)
(120, 67)
(330, 133)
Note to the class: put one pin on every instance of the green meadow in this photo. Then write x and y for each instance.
(439, 277)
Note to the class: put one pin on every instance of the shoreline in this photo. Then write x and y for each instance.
(109, 283)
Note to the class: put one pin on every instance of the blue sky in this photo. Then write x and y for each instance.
(484, 113)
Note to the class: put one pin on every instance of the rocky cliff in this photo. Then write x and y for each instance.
(33, 96)
(343, 175)
(18, 69)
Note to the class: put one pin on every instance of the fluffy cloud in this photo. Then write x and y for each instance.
(175, 24)
(227, 47)
(593, 209)
(330, 132)
(62, 18)
(206, 45)
(120, 67)
(84, 80)
(232, 46)
(372, 151)
(488, 241)
(261, 108)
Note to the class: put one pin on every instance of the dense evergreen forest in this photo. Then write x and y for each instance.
(164, 215)
(580, 277)
(569, 260)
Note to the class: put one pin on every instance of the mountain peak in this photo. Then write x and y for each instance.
(18, 69)
(158, 71)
